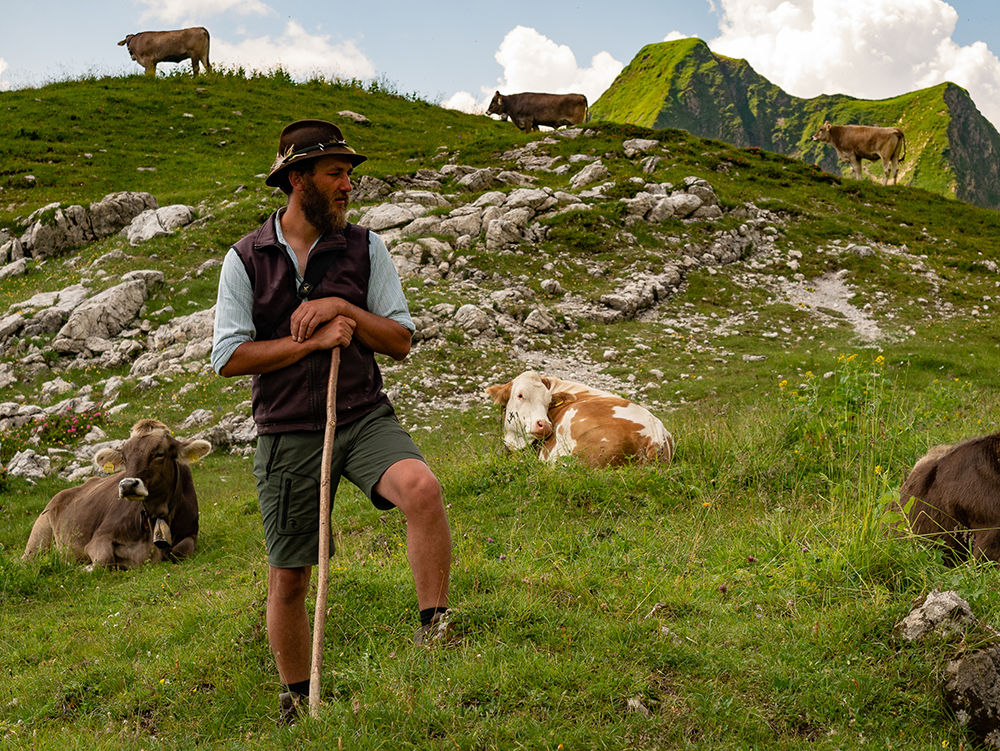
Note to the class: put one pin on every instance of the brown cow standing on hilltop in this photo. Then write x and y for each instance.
(151, 47)
(955, 492)
(148, 512)
(856, 142)
(529, 110)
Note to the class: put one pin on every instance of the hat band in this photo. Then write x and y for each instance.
(289, 156)
(317, 147)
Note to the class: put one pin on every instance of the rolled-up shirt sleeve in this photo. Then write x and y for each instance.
(385, 291)
(234, 305)
(233, 311)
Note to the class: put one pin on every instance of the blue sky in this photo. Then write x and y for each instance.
(458, 53)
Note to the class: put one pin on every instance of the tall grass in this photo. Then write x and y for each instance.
(742, 597)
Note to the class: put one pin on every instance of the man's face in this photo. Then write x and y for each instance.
(326, 193)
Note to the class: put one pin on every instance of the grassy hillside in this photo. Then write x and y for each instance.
(951, 148)
(743, 597)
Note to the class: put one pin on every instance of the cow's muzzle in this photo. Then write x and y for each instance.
(161, 534)
(541, 430)
(132, 489)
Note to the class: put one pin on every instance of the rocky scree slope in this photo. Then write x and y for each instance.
(443, 227)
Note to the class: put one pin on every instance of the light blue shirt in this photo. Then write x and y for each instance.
(234, 306)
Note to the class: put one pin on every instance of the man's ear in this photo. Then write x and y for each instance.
(296, 178)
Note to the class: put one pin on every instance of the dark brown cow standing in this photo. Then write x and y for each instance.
(956, 492)
(151, 47)
(856, 142)
(147, 512)
(529, 110)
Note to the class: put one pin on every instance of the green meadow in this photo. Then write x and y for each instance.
(743, 597)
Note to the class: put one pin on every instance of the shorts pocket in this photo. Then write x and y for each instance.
(298, 504)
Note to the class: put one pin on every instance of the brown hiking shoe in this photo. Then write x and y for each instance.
(288, 705)
(435, 632)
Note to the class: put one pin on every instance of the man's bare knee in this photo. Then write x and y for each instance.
(424, 502)
(288, 585)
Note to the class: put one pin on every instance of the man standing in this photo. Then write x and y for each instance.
(305, 282)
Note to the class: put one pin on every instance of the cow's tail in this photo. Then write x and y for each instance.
(902, 144)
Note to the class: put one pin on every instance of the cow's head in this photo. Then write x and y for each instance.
(126, 40)
(823, 134)
(526, 402)
(496, 106)
(151, 460)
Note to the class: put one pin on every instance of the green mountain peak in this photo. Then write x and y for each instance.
(951, 148)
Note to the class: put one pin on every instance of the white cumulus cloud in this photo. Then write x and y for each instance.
(300, 53)
(872, 49)
(463, 101)
(533, 62)
(4, 85)
(175, 11)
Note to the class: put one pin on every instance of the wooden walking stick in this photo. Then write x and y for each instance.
(323, 585)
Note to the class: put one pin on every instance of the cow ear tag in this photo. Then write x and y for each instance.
(109, 468)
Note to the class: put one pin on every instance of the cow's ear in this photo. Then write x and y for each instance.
(192, 451)
(547, 383)
(561, 397)
(109, 461)
(499, 394)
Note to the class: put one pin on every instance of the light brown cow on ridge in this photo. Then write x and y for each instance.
(151, 47)
(856, 142)
(148, 512)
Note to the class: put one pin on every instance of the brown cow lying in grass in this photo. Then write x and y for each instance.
(952, 497)
(147, 512)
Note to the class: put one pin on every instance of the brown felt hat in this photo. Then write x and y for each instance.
(309, 139)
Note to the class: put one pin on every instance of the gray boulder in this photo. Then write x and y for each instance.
(29, 465)
(156, 222)
(939, 612)
(389, 215)
(117, 210)
(16, 268)
(972, 691)
(502, 233)
(105, 316)
(590, 174)
(481, 179)
(472, 319)
(635, 146)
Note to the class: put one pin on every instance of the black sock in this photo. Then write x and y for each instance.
(301, 688)
(427, 614)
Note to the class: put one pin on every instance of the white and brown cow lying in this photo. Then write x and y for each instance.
(147, 512)
(571, 419)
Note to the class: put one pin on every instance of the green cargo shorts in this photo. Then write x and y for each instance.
(288, 468)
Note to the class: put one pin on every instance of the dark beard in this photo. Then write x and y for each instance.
(318, 208)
